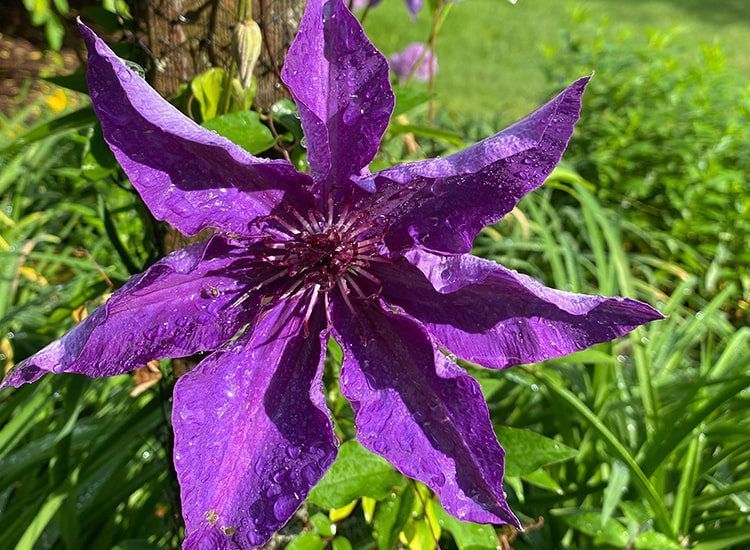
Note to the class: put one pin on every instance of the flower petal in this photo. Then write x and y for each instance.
(179, 306)
(421, 412)
(495, 317)
(252, 434)
(187, 175)
(414, 6)
(340, 83)
(443, 203)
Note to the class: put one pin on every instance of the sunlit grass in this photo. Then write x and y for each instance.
(490, 51)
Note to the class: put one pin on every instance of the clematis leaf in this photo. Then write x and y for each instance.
(356, 473)
(322, 524)
(526, 451)
(243, 128)
(308, 541)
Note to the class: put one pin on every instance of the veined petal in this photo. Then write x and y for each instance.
(252, 433)
(421, 412)
(442, 203)
(187, 175)
(179, 306)
(340, 83)
(489, 315)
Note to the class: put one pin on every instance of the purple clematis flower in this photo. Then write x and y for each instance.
(379, 261)
(415, 60)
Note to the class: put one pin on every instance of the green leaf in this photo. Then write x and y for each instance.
(640, 479)
(109, 22)
(207, 88)
(467, 535)
(54, 32)
(619, 477)
(391, 516)
(356, 473)
(428, 132)
(243, 128)
(285, 113)
(341, 543)
(408, 98)
(611, 532)
(74, 81)
(541, 478)
(651, 540)
(76, 120)
(43, 516)
(308, 541)
(322, 524)
(527, 451)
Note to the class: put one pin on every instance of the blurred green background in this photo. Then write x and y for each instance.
(640, 443)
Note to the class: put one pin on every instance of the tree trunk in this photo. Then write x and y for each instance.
(185, 37)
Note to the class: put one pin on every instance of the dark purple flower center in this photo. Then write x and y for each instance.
(316, 254)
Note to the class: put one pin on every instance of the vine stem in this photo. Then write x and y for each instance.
(432, 43)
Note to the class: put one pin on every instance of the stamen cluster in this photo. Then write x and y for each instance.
(317, 254)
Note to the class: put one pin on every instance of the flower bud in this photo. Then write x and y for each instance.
(246, 44)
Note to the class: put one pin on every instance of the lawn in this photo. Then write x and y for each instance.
(491, 52)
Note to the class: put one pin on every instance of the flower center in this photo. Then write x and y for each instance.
(318, 254)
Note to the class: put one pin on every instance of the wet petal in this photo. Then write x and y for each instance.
(181, 305)
(495, 317)
(443, 203)
(252, 433)
(340, 83)
(421, 412)
(186, 175)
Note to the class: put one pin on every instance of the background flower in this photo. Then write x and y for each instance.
(416, 61)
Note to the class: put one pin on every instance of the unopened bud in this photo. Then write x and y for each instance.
(246, 44)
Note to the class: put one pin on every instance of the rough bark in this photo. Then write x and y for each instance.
(185, 37)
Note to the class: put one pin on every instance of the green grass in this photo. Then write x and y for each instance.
(490, 51)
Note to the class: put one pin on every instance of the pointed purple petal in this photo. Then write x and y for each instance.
(340, 83)
(252, 433)
(414, 6)
(443, 203)
(187, 175)
(421, 412)
(495, 317)
(181, 305)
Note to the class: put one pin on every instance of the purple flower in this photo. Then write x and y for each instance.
(378, 261)
(415, 59)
